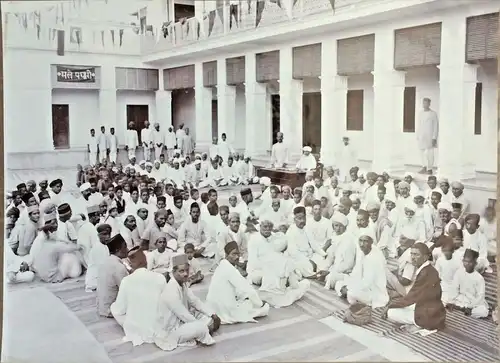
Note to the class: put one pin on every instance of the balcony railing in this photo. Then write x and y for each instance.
(249, 15)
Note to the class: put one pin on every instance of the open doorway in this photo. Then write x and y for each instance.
(275, 115)
(137, 114)
(311, 120)
(60, 126)
(215, 120)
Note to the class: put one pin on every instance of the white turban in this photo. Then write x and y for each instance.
(307, 148)
(149, 164)
(411, 206)
(142, 162)
(390, 197)
(354, 197)
(367, 232)
(47, 217)
(446, 206)
(372, 206)
(265, 181)
(340, 218)
(85, 186)
(408, 174)
(197, 162)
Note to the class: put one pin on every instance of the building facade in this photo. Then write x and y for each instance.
(314, 69)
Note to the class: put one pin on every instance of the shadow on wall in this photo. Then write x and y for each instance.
(183, 109)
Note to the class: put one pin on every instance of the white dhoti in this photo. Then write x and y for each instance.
(479, 311)
(173, 244)
(185, 335)
(427, 158)
(158, 152)
(113, 154)
(333, 278)
(304, 265)
(404, 315)
(147, 153)
(356, 295)
(92, 158)
(69, 266)
(131, 152)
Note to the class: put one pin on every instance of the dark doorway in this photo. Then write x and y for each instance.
(137, 114)
(60, 126)
(215, 120)
(275, 114)
(311, 120)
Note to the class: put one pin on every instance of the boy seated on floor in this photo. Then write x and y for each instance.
(195, 275)
(469, 288)
(489, 228)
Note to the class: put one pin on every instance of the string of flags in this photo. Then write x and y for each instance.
(53, 21)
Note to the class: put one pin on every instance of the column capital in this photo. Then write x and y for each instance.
(335, 83)
(390, 77)
(466, 73)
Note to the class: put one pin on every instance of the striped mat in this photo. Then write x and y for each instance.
(275, 336)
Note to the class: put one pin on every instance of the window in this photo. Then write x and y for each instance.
(355, 100)
(60, 126)
(478, 109)
(409, 109)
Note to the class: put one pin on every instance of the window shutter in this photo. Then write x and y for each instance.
(482, 37)
(235, 71)
(409, 105)
(356, 55)
(417, 46)
(179, 78)
(268, 66)
(307, 61)
(355, 103)
(210, 74)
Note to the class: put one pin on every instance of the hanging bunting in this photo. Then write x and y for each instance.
(120, 37)
(75, 35)
(24, 20)
(295, 2)
(60, 43)
(102, 37)
(278, 2)
(62, 13)
(332, 3)
(211, 21)
(220, 10)
(261, 4)
(37, 22)
(112, 36)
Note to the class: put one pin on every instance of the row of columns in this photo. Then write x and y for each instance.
(457, 90)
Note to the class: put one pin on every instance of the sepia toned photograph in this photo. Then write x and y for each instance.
(250, 181)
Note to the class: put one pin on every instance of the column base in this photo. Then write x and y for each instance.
(464, 172)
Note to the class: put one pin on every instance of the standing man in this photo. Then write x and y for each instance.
(213, 150)
(347, 160)
(92, 147)
(188, 144)
(102, 141)
(427, 135)
(113, 145)
(158, 141)
(180, 135)
(131, 140)
(279, 153)
(147, 140)
(170, 142)
(225, 149)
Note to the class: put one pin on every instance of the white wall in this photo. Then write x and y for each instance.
(83, 113)
(240, 122)
(486, 143)
(362, 141)
(183, 104)
(28, 93)
(124, 98)
(426, 83)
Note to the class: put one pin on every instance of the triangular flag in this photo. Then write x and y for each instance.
(332, 3)
(60, 42)
(220, 10)
(260, 8)
(62, 13)
(112, 36)
(211, 21)
(120, 35)
(25, 21)
(278, 2)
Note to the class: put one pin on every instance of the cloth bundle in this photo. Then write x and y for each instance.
(358, 314)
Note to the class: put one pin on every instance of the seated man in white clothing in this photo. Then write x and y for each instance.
(185, 319)
(367, 283)
(307, 160)
(232, 296)
(16, 267)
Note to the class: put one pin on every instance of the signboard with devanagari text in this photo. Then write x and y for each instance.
(74, 74)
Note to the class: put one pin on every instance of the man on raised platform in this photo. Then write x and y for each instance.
(279, 153)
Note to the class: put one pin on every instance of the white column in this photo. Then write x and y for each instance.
(457, 84)
(388, 91)
(256, 105)
(203, 105)
(163, 104)
(107, 98)
(290, 103)
(333, 104)
(226, 103)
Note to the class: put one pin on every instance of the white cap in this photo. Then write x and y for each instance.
(446, 206)
(339, 218)
(85, 186)
(307, 148)
(265, 181)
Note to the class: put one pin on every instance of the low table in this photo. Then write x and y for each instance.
(291, 178)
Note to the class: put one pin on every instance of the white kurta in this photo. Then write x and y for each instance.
(307, 162)
(136, 307)
(303, 249)
(340, 259)
(469, 291)
(279, 154)
(232, 297)
(446, 270)
(477, 242)
(96, 258)
(427, 129)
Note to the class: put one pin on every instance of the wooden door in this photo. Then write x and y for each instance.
(60, 126)
(137, 114)
(275, 114)
(215, 120)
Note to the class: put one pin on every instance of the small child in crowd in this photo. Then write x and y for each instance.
(195, 275)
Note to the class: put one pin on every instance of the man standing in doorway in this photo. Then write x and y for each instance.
(279, 153)
(113, 146)
(147, 141)
(180, 135)
(158, 141)
(92, 147)
(225, 148)
(102, 141)
(170, 142)
(427, 136)
(131, 140)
